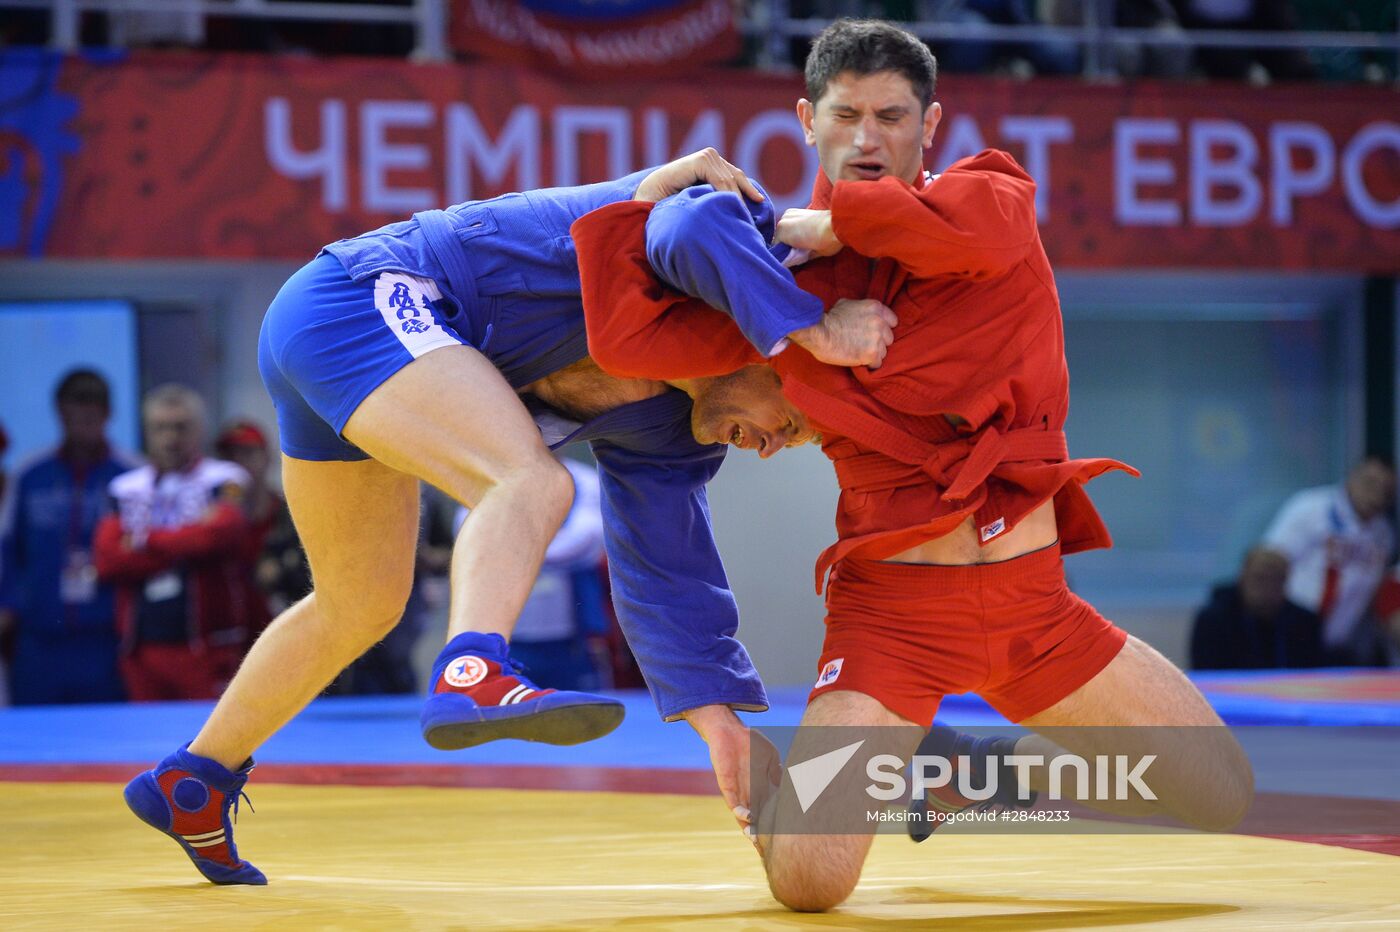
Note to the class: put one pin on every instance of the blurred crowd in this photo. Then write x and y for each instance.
(1319, 590)
(123, 579)
(1128, 57)
(1125, 57)
(145, 580)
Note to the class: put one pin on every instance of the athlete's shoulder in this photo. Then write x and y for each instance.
(991, 160)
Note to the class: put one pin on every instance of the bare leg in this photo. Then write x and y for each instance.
(451, 419)
(810, 873)
(488, 455)
(359, 525)
(1141, 704)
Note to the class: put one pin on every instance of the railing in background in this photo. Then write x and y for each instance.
(1093, 36)
(770, 23)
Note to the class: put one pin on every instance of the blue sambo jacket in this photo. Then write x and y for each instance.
(508, 270)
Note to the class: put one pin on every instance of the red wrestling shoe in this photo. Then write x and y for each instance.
(189, 797)
(479, 695)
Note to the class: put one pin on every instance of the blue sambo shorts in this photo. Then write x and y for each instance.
(328, 341)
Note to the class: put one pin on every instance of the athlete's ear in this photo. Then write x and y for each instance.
(932, 116)
(806, 112)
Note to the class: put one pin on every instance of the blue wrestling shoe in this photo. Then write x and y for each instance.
(479, 695)
(188, 797)
(927, 814)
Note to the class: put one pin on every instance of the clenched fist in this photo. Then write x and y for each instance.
(810, 230)
(852, 333)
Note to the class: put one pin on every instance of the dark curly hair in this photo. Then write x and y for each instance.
(868, 46)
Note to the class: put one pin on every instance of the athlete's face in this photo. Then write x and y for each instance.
(747, 409)
(868, 126)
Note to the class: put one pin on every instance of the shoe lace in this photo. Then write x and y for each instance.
(241, 795)
(515, 667)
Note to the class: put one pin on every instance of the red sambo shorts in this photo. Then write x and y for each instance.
(1012, 632)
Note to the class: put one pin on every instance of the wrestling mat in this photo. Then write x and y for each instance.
(360, 825)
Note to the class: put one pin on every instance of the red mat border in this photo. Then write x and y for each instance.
(684, 782)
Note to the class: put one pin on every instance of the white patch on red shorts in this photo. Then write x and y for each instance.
(992, 530)
(830, 672)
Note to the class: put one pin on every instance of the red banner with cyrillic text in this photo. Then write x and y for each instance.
(230, 156)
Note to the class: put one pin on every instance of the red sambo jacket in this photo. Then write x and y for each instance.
(980, 340)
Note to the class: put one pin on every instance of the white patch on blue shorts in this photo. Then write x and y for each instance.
(403, 301)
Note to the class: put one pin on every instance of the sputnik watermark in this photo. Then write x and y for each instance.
(932, 815)
(856, 780)
(1106, 778)
(1112, 778)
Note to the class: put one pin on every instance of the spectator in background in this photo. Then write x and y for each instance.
(279, 566)
(176, 549)
(244, 443)
(562, 634)
(282, 573)
(65, 646)
(1250, 624)
(1338, 541)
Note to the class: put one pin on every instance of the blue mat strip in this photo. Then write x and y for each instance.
(385, 729)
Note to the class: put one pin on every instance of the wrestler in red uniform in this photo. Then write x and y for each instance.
(907, 474)
(952, 452)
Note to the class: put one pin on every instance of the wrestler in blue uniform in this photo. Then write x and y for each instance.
(501, 276)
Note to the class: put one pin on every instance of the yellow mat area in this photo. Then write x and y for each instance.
(403, 858)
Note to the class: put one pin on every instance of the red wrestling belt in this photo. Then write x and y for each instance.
(901, 459)
(959, 466)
